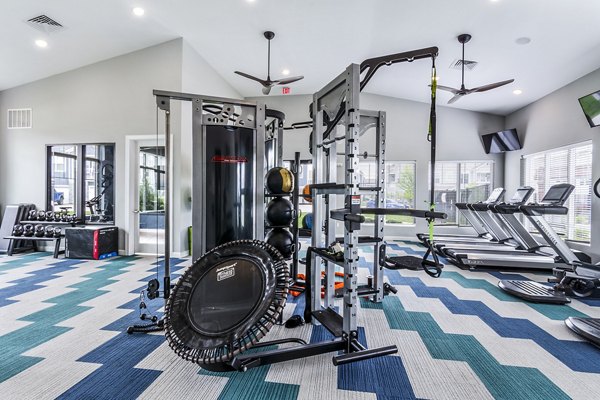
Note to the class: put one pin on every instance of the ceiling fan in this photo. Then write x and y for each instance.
(268, 83)
(458, 93)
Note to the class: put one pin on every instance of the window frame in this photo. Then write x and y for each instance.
(459, 183)
(571, 216)
(79, 207)
(387, 162)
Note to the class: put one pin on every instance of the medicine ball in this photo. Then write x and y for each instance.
(307, 222)
(280, 212)
(50, 216)
(279, 181)
(49, 231)
(32, 215)
(57, 232)
(41, 215)
(17, 230)
(39, 230)
(28, 230)
(306, 194)
(282, 240)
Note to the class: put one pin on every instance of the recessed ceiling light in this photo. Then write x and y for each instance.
(138, 11)
(517, 91)
(41, 43)
(523, 40)
(285, 72)
(250, 1)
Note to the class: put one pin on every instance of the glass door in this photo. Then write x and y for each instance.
(150, 202)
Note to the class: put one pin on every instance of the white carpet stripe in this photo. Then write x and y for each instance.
(524, 353)
(505, 309)
(453, 379)
(46, 380)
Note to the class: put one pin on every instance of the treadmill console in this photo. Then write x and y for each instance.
(495, 196)
(521, 195)
(557, 194)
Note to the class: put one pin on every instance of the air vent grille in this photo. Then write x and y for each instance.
(19, 118)
(44, 24)
(469, 65)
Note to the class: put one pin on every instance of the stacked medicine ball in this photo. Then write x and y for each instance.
(279, 213)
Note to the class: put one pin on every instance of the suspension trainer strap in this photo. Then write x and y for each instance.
(431, 137)
(432, 268)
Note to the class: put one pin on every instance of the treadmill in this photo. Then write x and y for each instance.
(508, 233)
(474, 220)
(551, 204)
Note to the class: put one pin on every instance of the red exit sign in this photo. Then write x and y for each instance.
(285, 90)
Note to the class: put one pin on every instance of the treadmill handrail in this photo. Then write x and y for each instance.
(542, 209)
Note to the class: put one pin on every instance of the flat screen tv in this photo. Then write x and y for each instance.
(499, 142)
(591, 108)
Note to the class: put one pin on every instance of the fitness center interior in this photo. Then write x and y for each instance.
(258, 199)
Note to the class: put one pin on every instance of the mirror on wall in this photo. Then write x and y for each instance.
(80, 181)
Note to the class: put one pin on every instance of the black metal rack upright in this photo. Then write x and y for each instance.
(293, 226)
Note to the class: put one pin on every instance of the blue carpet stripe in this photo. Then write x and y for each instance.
(550, 311)
(34, 281)
(579, 356)
(384, 376)
(500, 380)
(43, 324)
(116, 377)
(126, 351)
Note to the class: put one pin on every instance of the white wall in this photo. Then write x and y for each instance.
(407, 125)
(557, 120)
(200, 78)
(105, 102)
(102, 102)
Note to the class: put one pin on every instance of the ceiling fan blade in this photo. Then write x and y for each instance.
(266, 90)
(261, 81)
(285, 81)
(491, 86)
(448, 89)
(456, 97)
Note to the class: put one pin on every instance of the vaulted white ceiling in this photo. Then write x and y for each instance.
(319, 38)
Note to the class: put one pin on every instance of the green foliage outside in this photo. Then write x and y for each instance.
(403, 189)
(148, 201)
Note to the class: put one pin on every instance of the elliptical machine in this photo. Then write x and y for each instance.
(588, 279)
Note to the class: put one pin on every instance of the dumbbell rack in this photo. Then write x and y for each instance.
(35, 239)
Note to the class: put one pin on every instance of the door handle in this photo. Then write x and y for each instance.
(136, 211)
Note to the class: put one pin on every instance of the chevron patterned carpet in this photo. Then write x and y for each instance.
(459, 337)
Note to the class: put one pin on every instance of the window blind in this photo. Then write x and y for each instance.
(566, 165)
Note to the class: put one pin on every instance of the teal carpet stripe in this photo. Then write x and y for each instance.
(21, 261)
(500, 380)
(252, 384)
(43, 324)
(550, 311)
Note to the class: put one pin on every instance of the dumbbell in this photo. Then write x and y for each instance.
(18, 230)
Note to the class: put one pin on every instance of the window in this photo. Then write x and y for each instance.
(152, 179)
(572, 165)
(400, 188)
(80, 181)
(461, 182)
